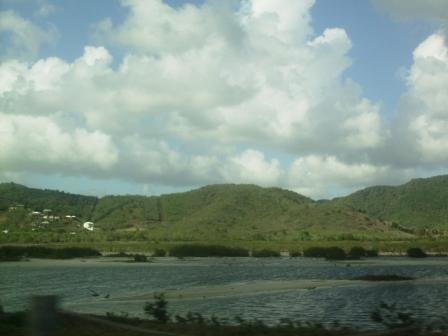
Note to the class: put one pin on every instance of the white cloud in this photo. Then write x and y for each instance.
(422, 123)
(156, 28)
(251, 166)
(202, 89)
(38, 143)
(324, 176)
(45, 9)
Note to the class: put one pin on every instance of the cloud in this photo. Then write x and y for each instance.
(414, 9)
(38, 143)
(421, 127)
(326, 176)
(45, 9)
(154, 27)
(20, 37)
(251, 166)
(221, 92)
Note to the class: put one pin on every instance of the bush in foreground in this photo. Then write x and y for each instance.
(158, 309)
(207, 251)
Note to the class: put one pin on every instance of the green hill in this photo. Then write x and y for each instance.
(58, 201)
(418, 204)
(216, 212)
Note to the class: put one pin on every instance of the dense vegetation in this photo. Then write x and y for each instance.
(335, 253)
(140, 258)
(420, 205)
(36, 199)
(338, 253)
(315, 252)
(358, 252)
(237, 213)
(416, 252)
(18, 252)
(217, 212)
(265, 254)
(207, 251)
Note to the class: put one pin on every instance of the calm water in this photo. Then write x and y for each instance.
(349, 304)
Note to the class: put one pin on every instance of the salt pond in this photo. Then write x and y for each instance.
(268, 289)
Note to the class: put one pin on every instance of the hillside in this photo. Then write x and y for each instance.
(418, 204)
(235, 212)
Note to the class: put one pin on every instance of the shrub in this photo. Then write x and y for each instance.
(357, 252)
(265, 254)
(372, 253)
(140, 258)
(315, 252)
(158, 309)
(159, 253)
(335, 253)
(207, 251)
(295, 254)
(120, 254)
(389, 316)
(416, 252)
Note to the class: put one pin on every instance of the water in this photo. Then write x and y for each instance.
(267, 289)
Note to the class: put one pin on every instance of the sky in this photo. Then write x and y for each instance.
(322, 97)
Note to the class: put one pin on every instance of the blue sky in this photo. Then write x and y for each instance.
(344, 115)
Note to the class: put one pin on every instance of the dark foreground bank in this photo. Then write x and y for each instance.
(44, 318)
(16, 324)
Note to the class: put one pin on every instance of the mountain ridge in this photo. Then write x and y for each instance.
(244, 211)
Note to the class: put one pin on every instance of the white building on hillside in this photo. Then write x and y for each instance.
(88, 226)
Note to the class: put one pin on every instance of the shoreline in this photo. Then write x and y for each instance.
(168, 261)
(384, 247)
